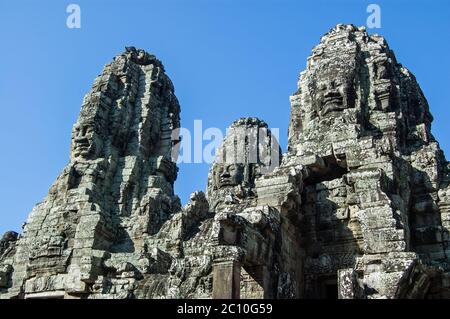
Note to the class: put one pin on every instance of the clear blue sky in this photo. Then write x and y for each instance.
(227, 59)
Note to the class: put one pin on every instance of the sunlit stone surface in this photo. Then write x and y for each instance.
(358, 207)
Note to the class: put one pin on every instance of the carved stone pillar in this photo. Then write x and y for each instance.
(227, 272)
(348, 287)
(226, 279)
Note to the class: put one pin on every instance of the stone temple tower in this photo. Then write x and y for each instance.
(116, 190)
(374, 208)
(358, 206)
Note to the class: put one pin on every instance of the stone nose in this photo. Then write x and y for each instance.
(81, 133)
(225, 174)
(332, 85)
(82, 140)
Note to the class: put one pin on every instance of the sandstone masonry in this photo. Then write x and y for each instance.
(358, 207)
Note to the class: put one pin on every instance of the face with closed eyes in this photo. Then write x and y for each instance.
(331, 98)
(84, 141)
(229, 175)
(334, 89)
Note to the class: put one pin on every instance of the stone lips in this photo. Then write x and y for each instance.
(358, 207)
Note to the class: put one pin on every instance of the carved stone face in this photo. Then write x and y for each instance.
(333, 87)
(229, 175)
(331, 97)
(247, 152)
(335, 94)
(84, 141)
